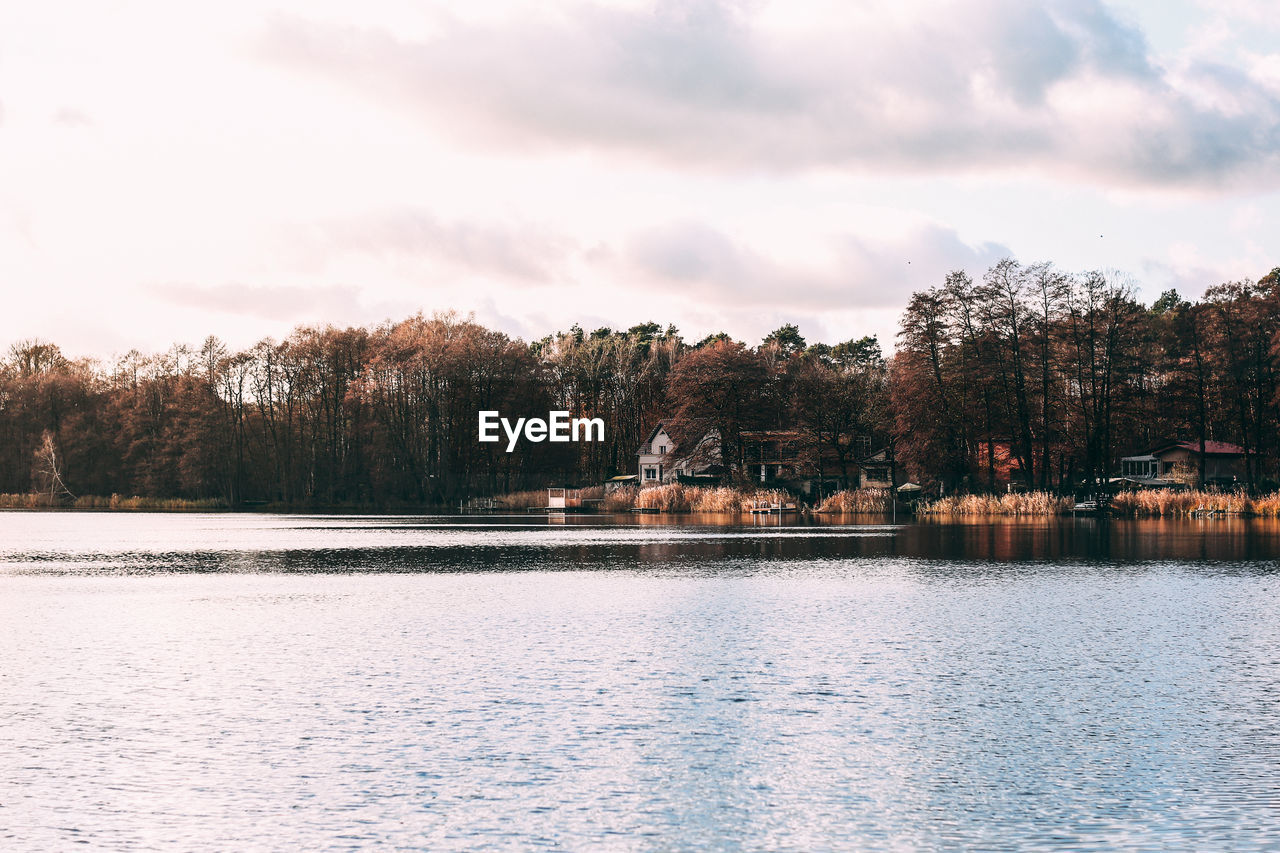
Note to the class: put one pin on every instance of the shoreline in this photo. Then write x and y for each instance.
(736, 501)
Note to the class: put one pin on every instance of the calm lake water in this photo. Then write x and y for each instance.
(239, 682)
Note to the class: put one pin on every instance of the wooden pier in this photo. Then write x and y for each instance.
(768, 507)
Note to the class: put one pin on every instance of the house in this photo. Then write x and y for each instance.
(680, 451)
(690, 452)
(775, 454)
(876, 471)
(793, 459)
(1178, 463)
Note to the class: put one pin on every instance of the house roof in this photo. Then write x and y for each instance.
(684, 434)
(1211, 448)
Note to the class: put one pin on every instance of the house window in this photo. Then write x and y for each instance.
(662, 449)
(651, 473)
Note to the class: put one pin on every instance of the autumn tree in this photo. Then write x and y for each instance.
(730, 386)
(839, 393)
(925, 392)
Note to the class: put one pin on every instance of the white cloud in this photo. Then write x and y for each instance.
(712, 165)
(527, 252)
(288, 303)
(982, 84)
(717, 269)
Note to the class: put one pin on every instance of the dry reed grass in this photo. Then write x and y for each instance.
(28, 501)
(851, 501)
(531, 499)
(1014, 503)
(43, 501)
(669, 497)
(538, 498)
(1165, 503)
(675, 497)
(1267, 505)
(621, 500)
(1152, 503)
(768, 497)
(717, 499)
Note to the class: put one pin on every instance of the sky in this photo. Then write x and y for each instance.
(173, 171)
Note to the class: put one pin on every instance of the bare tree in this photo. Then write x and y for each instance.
(47, 470)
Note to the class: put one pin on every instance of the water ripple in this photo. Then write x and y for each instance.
(229, 682)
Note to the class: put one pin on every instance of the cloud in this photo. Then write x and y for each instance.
(973, 85)
(269, 302)
(707, 265)
(690, 268)
(522, 251)
(1255, 13)
(1192, 275)
(72, 117)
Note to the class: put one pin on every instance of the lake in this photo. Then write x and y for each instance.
(244, 681)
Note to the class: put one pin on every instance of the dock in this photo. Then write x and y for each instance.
(768, 507)
(569, 500)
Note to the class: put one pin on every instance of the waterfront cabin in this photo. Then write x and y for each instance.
(876, 471)
(776, 454)
(1177, 463)
(680, 452)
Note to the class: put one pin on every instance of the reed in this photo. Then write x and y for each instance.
(33, 500)
(1152, 503)
(1267, 505)
(531, 499)
(669, 497)
(674, 497)
(1169, 504)
(766, 496)
(621, 500)
(538, 498)
(716, 499)
(1014, 503)
(850, 501)
(1156, 503)
(117, 502)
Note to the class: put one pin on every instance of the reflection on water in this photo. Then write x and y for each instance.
(47, 543)
(325, 682)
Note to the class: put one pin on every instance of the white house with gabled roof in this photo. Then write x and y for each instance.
(678, 449)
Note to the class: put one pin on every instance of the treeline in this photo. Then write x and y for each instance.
(1059, 373)
(328, 416)
(388, 415)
